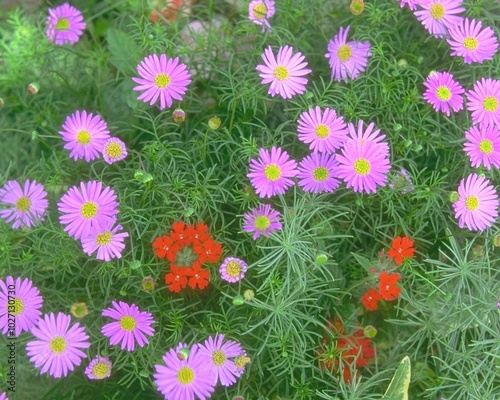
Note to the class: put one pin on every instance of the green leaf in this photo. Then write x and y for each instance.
(398, 388)
(124, 52)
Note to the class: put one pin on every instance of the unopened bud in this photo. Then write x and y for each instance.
(496, 241)
(357, 7)
(34, 135)
(148, 284)
(248, 294)
(214, 123)
(453, 196)
(179, 116)
(79, 310)
(238, 300)
(183, 354)
(370, 331)
(321, 259)
(402, 63)
(33, 88)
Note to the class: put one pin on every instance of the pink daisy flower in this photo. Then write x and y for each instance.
(65, 24)
(3, 396)
(261, 221)
(106, 240)
(22, 300)
(363, 167)
(161, 77)
(322, 130)
(443, 92)
(233, 269)
(483, 101)
(437, 16)
(347, 59)
(363, 136)
(85, 135)
(186, 374)
(57, 349)
(259, 12)
(131, 325)
(317, 173)
(99, 368)
(483, 146)
(87, 208)
(467, 40)
(114, 150)
(477, 204)
(272, 173)
(25, 206)
(219, 356)
(283, 72)
(412, 4)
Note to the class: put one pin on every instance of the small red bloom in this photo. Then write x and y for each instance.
(162, 245)
(198, 232)
(402, 248)
(388, 288)
(178, 233)
(209, 250)
(198, 277)
(176, 279)
(370, 299)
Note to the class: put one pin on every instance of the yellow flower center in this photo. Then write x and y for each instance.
(18, 307)
(486, 146)
(241, 361)
(185, 376)
(218, 357)
(89, 210)
(344, 53)
(490, 103)
(113, 150)
(260, 11)
(471, 203)
(128, 323)
(281, 73)
(470, 43)
(320, 174)
(162, 80)
(57, 345)
(362, 166)
(23, 204)
(83, 137)
(437, 11)
(262, 222)
(104, 238)
(62, 24)
(272, 172)
(233, 269)
(100, 370)
(443, 93)
(322, 131)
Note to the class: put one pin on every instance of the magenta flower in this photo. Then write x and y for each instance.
(443, 92)
(85, 135)
(65, 24)
(233, 269)
(322, 130)
(259, 12)
(161, 77)
(467, 40)
(131, 325)
(58, 348)
(99, 368)
(363, 167)
(412, 4)
(86, 208)
(363, 136)
(106, 240)
(483, 101)
(3, 396)
(438, 16)
(114, 150)
(477, 204)
(483, 146)
(219, 356)
(283, 72)
(22, 300)
(272, 173)
(186, 377)
(261, 221)
(318, 173)
(347, 59)
(25, 206)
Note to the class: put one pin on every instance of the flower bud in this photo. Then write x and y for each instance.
(453, 196)
(34, 135)
(183, 354)
(402, 63)
(357, 7)
(79, 310)
(370, 331)
(148, 284)
(248, 294)
(321, 259)
(214, 123)
(33, 88)
(238, 300)
(179, 116)
(496, 241)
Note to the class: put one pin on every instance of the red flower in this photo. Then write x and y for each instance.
(198, 232)
(402, 248)
(370, 299)
(178, 233)
(162, 245)
(176, 279)
(198, 277)
(388, 285)
(209, 250)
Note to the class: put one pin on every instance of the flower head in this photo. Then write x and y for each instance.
(483, 101)
(477, 205)
(57, 349)
(99, 368)
(161, 77)
(347, 59)
(19, 298)
(176, 279)
(259, 12)
(387, 286)
(323, 130)
(106, 240)
(318, 173)
(443, 92)
(402, 248)
(261, 221)
(483, 146)
(370, 299)
(272, 172)
(363, 136)
(114, 150)
(87, 208)
(467, 40)
(233, 269)
(439, 15)
(65, 24)
(25, 206)
(197, 277)
(284, 72)
(184, 379)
